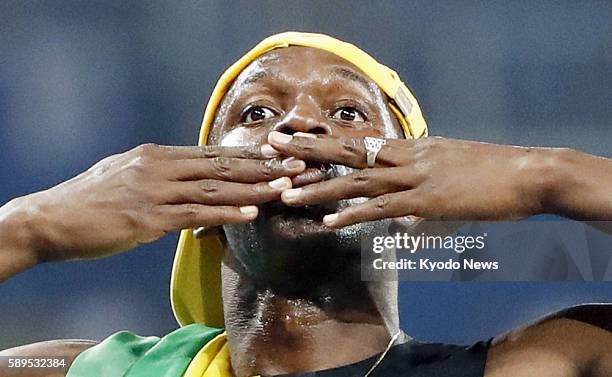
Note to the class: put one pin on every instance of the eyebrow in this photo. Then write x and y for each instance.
(256, 77)
(351, 75)
(342, 72)
(262, 72)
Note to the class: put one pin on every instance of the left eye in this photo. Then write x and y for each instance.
(350, 114)
(257, 113)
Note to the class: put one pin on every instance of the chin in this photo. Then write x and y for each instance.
(297, 228)
(285, 247)
(284, 239)
(280, 229)
(302, 223)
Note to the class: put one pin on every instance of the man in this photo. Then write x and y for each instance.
(296, 128)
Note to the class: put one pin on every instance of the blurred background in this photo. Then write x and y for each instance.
(83, 80)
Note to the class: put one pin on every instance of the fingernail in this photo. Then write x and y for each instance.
(280, 183)
(329, 220)
(250, 211)
(290, 195)
(305, 134)
(278, 137)
(293, 163)
(268, 151)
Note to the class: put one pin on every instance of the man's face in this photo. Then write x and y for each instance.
(299, 89)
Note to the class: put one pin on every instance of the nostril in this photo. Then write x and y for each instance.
(287, 130)
(318, 131)
(311, 126)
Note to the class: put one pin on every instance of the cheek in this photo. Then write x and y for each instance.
(242, 136)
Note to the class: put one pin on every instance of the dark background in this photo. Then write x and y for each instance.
(82, 80)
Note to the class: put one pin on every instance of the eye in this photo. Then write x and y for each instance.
(350, 114)
(257, 113)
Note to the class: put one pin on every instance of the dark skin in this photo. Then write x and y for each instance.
(139, 196)
(316, 316)
(301, 276)
(297, 120)
(406, 181)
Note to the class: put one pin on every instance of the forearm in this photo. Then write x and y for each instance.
(17, 252)
(574, 184)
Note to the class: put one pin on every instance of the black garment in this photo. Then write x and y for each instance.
(415, 359)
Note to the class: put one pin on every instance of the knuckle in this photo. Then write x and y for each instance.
(137, 169)
(253, 192)
(268, 167)
(105, 164)
(147, 194)
(382, 203)
(209, 186)
(134, 219)
(350, 149)
(307, 144)
(421, 169)
(434, 143)
(147, 150)
(221, 166)
(190, 211)
(362, 177)
(209, 151)
(425, 148)
(223, 216)
(256, 191)
(251, 152)
(351, 146)
(136, 194)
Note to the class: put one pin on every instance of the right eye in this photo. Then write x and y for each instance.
(257, 113)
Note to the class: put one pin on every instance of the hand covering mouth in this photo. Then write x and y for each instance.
(314, 172)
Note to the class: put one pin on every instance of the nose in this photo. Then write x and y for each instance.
(303, 118)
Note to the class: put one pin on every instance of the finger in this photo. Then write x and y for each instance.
(215, 192)
(362, 183)
(344, 151)
(382, 207)
(211, 151)
(232, 169)
(194, 215)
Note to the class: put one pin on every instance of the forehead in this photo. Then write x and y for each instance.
(302, 65)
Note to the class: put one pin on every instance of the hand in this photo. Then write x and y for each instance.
(139, 196)
(432, 178)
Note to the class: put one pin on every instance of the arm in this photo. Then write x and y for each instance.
(558, 347)
(137, 197)
(447, 179)
(16, 251)
(578, 186)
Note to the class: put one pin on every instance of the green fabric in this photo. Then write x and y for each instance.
(125, 354)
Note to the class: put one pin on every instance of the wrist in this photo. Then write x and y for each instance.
(17, 239)
(546, 178)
